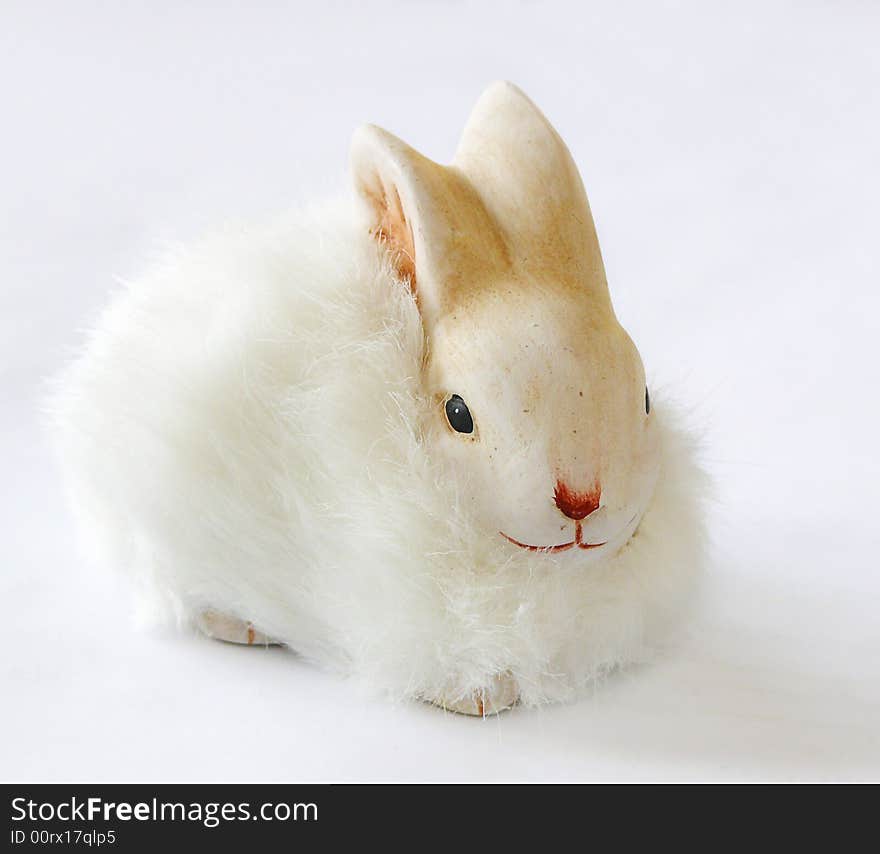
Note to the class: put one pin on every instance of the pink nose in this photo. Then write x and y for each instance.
(576, 505)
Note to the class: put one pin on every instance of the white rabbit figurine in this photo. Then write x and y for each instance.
(407, 438)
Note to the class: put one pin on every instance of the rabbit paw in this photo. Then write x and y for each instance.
(231, 629)
(500, 694)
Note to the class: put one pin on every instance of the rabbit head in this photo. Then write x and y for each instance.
(539, 395)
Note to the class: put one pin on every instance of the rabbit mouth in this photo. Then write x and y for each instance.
(577, 542)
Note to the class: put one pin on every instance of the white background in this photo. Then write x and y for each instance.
(731, 156)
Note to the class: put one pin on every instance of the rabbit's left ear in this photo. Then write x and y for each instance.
(528, 181)
(439, 235)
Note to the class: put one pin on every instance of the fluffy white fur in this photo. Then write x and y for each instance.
(243, 432)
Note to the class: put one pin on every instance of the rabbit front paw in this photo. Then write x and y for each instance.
(501, 693)
(231, 629)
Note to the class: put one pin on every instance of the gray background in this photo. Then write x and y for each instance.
(730, 154)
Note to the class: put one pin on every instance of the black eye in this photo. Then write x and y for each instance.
(647, 402)
(459, 415)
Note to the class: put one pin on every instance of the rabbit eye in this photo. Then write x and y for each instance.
(458, 415)
(647, 402)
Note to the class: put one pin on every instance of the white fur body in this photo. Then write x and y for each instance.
(244, 432)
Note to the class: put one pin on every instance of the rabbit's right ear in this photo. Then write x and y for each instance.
(440, 238)
(386, 173)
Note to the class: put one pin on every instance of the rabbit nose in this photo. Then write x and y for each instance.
(576, 505)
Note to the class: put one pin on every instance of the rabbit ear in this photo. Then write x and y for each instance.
(440, 237)
(529, 183)
(386, 175)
